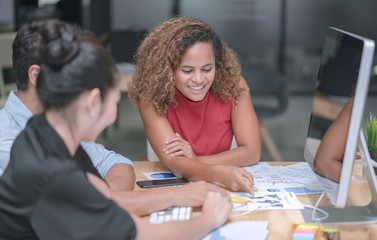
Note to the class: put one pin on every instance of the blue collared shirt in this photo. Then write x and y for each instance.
(13, 119)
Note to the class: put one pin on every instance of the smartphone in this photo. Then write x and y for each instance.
(162, 182)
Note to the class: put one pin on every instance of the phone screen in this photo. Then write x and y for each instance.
(162, 182)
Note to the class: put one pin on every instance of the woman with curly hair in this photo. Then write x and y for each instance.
(192, 100)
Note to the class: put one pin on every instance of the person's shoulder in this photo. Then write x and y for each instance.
(8, 127)
(242, 82)
(32, 151)
(13, 116)
(146, 105)
(34, 164)
(218, 101)
(4, 115)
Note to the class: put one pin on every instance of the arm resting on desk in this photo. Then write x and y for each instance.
(116, 169)
(151, 200)
(215, 212)
(120, 177)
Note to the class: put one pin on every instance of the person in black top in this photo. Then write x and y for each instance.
(50, 189)
(116, 170)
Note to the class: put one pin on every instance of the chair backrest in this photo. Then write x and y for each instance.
(151, 155)
(6, 41)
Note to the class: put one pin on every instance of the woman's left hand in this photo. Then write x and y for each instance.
(177, 146)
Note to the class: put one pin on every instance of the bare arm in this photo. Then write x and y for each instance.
(215, 212)
(116, 169)
(329, 156)
(120, 177)
(151, 200)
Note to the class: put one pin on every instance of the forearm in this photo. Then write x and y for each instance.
(330, 169)
(120, 177)
(240, 157)
(146, 201)
(190, 169)
(215, 211)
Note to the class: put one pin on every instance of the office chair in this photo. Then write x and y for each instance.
(151, 155)
(272, 86)
(6, 41)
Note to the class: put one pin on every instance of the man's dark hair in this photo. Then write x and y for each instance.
(26, 52)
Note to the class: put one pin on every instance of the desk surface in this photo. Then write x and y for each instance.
(279, 221)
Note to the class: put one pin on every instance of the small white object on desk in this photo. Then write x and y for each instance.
(171, 214)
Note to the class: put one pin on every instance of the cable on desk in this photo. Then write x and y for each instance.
(315, 208)
(241, 214)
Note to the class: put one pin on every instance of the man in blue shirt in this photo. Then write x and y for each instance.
(24, 103)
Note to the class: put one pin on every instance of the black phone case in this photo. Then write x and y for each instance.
(162, 182)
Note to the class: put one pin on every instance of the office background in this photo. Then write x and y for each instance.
(281, 40)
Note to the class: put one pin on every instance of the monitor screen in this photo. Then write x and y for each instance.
(337, 110)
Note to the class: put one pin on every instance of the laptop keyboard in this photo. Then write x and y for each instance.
(171, 214)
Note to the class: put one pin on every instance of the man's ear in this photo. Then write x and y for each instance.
(33, 73)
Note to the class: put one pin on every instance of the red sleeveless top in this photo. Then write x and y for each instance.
(206, 125)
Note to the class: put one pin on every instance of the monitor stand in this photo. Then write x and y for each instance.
(351, 214)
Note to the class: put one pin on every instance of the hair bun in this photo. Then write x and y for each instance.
(60, 43)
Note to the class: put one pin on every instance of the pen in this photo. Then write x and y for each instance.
(239, 202)
(239, 199)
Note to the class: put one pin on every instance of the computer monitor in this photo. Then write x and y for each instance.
(335, 124)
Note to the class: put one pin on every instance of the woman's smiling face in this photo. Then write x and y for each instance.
(196, 72)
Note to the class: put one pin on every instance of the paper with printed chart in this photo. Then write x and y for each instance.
(267, 201)
(159, 175)
(298, 178)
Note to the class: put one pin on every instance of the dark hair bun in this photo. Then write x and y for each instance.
(72, 63)
(60, 43)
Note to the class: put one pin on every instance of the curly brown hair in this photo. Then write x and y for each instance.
(160, 54)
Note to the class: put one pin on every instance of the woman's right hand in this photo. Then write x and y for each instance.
(234, 178)
(216, 209)
(177, 146)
